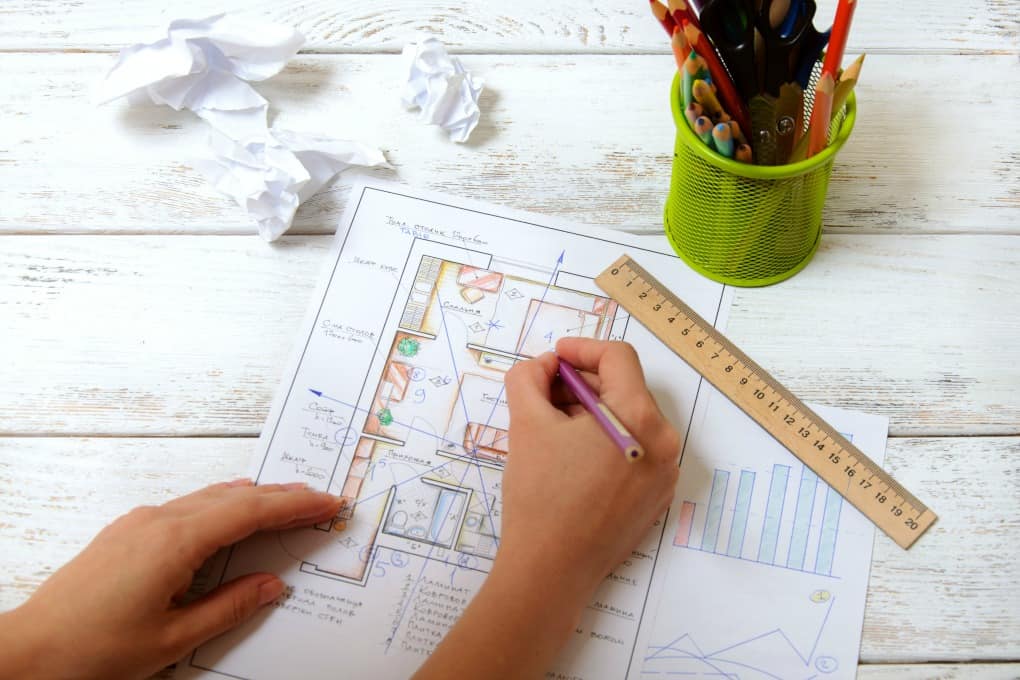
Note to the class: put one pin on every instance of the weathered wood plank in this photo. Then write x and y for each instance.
(588, 138)
(968, 671)
(519, 26)
(188, 335)
(953, 596)
(969, 557)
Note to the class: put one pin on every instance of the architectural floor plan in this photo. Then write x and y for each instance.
(395, 401)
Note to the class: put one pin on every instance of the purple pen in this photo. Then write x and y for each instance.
(630, 447)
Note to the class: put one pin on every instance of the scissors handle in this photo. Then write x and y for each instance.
(730, 26)
(785, 42)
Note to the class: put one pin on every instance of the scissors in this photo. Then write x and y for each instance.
(734, 27)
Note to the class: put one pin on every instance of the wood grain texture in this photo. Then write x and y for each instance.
(953, 596)
(176, 335)
(521, 26)
(937, 671)
(588, 138)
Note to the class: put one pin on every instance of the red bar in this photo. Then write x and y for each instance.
(683, 531)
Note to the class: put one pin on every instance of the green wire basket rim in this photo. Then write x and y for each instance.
(760, 171)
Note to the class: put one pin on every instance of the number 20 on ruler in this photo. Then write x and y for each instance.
(816, 443)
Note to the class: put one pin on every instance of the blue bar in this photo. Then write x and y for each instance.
(443, 504)
(802, 519)
(773, 514)
(715, 507)
(827, 538)
(740, 510)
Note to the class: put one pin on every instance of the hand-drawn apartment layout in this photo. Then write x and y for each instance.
(425, 476)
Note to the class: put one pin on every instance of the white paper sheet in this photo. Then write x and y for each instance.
(203, 65)
(271, 174)
(763, 569)
(395, 401)
(441, 87)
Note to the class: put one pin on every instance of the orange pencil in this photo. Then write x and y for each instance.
(821, 112)
(661, 13)
(680, 47)
(731, 101)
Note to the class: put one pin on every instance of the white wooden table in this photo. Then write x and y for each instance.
(143, 327)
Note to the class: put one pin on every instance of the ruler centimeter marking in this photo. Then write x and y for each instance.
(817, 444)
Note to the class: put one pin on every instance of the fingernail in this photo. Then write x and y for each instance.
(332, 499)
(243, 481)
(295, 486)
(270, 590)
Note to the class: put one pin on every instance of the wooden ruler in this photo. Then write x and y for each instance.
(816, 443)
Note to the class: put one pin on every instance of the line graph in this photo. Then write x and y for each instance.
(768, 654)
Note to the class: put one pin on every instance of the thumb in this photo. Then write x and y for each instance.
(226, 607)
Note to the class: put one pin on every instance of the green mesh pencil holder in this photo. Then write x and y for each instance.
(743, 224)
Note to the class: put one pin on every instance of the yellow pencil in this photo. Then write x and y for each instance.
(704, 95)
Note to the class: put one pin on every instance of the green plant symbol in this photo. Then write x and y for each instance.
(385, 417)
(408, 347)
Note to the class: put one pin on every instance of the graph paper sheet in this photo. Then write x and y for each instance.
(763, 569)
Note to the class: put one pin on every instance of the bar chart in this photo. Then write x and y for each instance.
(782, 517)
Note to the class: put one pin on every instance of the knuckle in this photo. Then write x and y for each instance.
(623, 348)
(671, 442)
(646, 415)
(172, 640)
(142, 514)
(243, 605)
(514, 375)
(134, 520)
(673, 477)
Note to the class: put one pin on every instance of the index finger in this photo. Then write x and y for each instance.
(247, 511)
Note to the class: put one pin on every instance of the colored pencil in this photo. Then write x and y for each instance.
(610, 424)
(837, 41)
(821, 115)
(694, 68)
(661, 12)
(683, 10)
(847, 81)
(704, 95)
(743, 154)
(731, 101)
(680, 49)
(693, 112)
(703, 129)
(821, 112)
(738, 134)
(722, 139)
